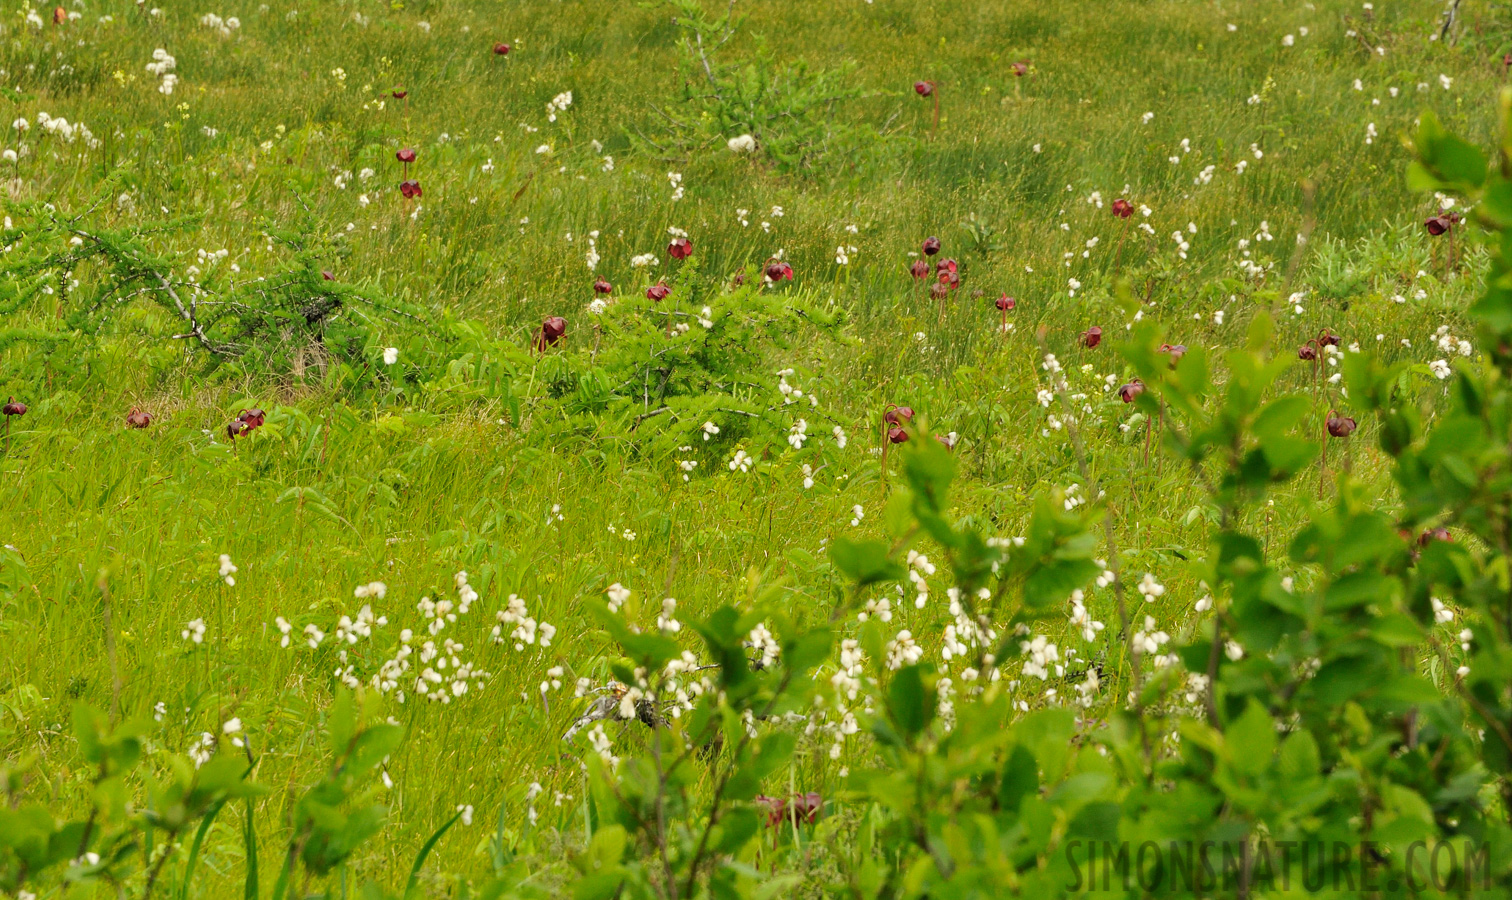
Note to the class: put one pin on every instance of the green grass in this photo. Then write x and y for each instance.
(410, 488)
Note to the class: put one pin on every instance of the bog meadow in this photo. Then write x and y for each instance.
(755, 449)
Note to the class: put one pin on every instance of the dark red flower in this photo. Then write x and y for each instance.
(1507, 60)
(805, 807)
(410, 189)
(896, 435)
(924, 88)
(1174, 351)
(552, 329)
(897, 415)
(1123, 208)
(138, 418)
(1127, 392)
(60, 15)
(931, 246)
(950, 278)
(771, 808)
(940, 290)
(947, 265)
(1091, 337)
(1307, 352)
(602, 287)
(778, 270)
(1006, 303)
(501, 49)
(252, 418)
(738, 280)
(1328, 338)
(680, 248)
(235, 427)
(658, 292)
(919, 269)
(1020, 69)
(405, 155)
(400, 93)
(1438, 224)
(326, 275)
(1434, 534)
(14, 407)
(1340, 426)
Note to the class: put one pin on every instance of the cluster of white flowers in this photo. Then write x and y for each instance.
(1081, 619)
(902, 650)
(798, 434)
(617, 594)
(741, 461)
(223, 26)
(677, 186)
(1150, 639)
(194, 631)
(761, 640)
(1043, 656)
(880, 608)
(62, 128)
(162, 65)
(559, 103)
(919, 567)
(1149, 588)
(525, 629)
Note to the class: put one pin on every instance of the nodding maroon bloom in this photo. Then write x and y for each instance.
(138, 418)
(1328, 338)
(1307, 352)
(1020, 69)
(1340, 426)
(947, 265)
(501, 49)
(1123, 208)
(400, 93)
(1434, 534)
(805, 807)
(924, 88)
(931, 246)
(410, 189)
(1507, 61)
(405, 155)
(236, 427)
(326, 275)
(602, 287)
(950, 279)
(1127, 392)
(896, 435)
(1174, 351)
(919, 269)
(1091, 337)
(658, 292)
(1438, 224)
(252, 418)
(939, 290)
(13, 407)
(778, 270)
(897, 415)
(553, 328)
(738, 280)
(1006, 303)
(772, 808)
(680, 248)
